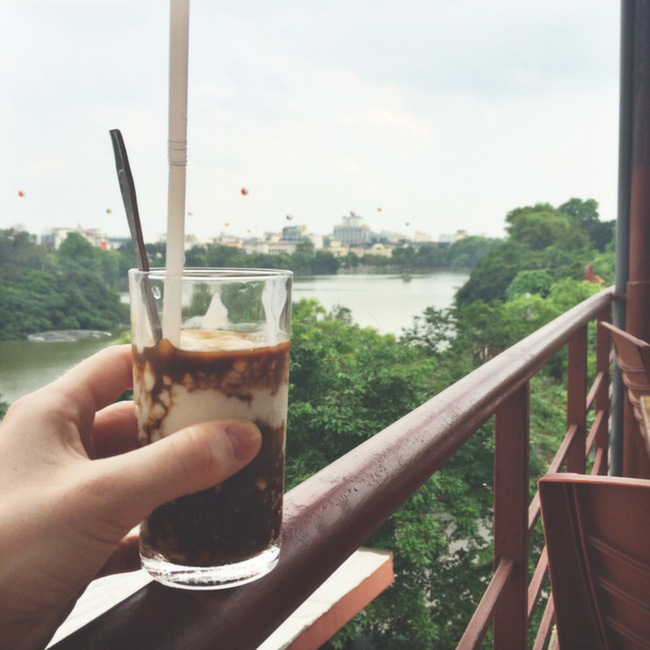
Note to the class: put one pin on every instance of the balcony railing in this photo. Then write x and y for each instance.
(331, 514)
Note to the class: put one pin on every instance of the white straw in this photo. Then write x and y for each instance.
(177, 148)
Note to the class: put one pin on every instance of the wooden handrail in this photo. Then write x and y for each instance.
(333, 512)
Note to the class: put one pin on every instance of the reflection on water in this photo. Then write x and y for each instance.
(26, 366)
(387, 303)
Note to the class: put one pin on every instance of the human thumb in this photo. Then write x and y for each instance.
(195, 458)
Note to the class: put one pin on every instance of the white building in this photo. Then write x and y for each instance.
(446, 240)
(93, 235)
(271, 246)
(353, 231)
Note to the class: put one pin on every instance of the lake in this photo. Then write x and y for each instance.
(387, 303)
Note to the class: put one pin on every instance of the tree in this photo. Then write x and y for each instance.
(325, 263)
(156, 254)
(34, 301)
(430, 256)
(538, 227)
(602, 234)
(583, 213)
(467, 252)
(77, 254)
(403, 257)
(19, 248)
(542, 239)
(348, 383)
(351, 260)
(493, 274)
(525, 282)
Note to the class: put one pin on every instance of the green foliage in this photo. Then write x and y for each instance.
(494, 273)
(545, 244)
(77, 254)
(324, 263)
(348, 383)
(467, 252)
(480, 330)
(585, 215)
(527, 282)
(18, 248)
(538, 227)
(33, 301)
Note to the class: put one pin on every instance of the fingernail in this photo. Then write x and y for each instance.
(245, 439)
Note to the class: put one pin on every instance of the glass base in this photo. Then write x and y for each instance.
(209, 577)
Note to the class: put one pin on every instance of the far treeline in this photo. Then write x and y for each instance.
(76, 286)
(348, 383)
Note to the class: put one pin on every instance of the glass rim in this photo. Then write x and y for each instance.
(218, 273)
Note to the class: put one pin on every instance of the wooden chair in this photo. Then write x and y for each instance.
(633, 360)
(597, 531)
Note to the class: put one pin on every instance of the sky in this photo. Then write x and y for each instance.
(426, 116)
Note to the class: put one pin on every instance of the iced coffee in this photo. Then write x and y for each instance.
(231, 361)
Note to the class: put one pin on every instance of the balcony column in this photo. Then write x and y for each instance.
(637, 289)
(638, 286)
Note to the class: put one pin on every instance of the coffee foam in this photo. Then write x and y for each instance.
(212, 341)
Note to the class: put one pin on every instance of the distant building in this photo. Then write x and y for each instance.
(446, 240)
(223, 239)
(298, 233)
(271, 245)
(193, 240)
(388, 237)
(376, 249)
(353, 231)
(294, 233)
(334, 246)
(279, 247)
(317, 240)
(117, 242)
(57, 236)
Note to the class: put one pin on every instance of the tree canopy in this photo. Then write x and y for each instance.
(556, 242)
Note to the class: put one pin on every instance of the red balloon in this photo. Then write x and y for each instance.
(244, 191)
(21, 193)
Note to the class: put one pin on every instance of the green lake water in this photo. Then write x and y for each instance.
(387, 303)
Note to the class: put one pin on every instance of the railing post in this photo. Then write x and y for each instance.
(602, 408)
(577, 399)
(511, 431)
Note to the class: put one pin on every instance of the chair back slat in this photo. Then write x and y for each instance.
(633, 359)
(597, 532)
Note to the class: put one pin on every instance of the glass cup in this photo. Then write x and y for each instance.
(230, 360)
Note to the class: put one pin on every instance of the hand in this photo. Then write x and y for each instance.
(73, 484)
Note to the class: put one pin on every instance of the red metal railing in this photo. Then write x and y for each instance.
(510, 602)
(331, 514)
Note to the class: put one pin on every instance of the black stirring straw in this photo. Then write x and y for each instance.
(127, 188)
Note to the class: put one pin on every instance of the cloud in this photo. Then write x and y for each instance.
(441, 111)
